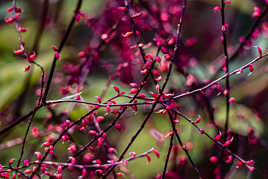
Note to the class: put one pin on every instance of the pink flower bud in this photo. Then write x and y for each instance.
(216, 9)
(148, 158)
(84, 173)
(232, 100)
(57, 55)
(27, 68)
(99, 99)
(22, 29)
(28, 171)
(133, 91)
(259, 51)
(223, 28)
(108, 109)
(239, 163)
(111, 149)
(32, 56)
(250, 168)
(54, 48)
(133, 85)
(227, 143)
(256, 13)
(156, 152)
(148, 57)
(116, 89)
(218, 137)
(122, 8)
(144, 71)
(213, 159)
(198, 119)
(81, 54)
(73, 160)
(11, 161)
(225, 92)
(9, 20)
(10, 9)
(251, 67)
(127, 34)
(38, 155)
(158, 59)
(250, 162)
(26, 163)
(19, 52)
(17, 16)
(167, 56)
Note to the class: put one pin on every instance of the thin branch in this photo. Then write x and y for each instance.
(145, 120)
(133, 138)
(168, 155)
(18, 121)
(183, 146)
(34, 112)
(65, 131)
(138, 41)
(60, 136)
(95, 165)
(25, 138)
(120, 114)
(224, 42)
(202, 131)
(65, 37)
(96, 104)
(247, 38)
(236, 71)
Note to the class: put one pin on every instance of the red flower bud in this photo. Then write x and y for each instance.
(19, 52)
(213, 159)
(251, 67)
(232, 100)
(127, 34)
(116, 89)
(133, 91)
(57, 55)
(198, 119)
(259, 51)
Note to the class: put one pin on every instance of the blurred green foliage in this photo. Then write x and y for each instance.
(12, 78)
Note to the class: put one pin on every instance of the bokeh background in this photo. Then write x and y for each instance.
(201, 24)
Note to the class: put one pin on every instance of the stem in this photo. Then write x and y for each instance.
(227, 67)
(182, 145)
(65, 37)
(219, 144)
(236, 71)
(167, 157)
(247, 38)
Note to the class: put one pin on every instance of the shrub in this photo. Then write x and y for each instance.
(92, 86)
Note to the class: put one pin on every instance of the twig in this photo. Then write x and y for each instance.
(224, 42)
(18, 121)
(65, 37)
(96, 104)
(144, 122)
(182, 145)
(237, 71)
(245, 41)
(60, 136)
(120, 114)
(219, 144)
(168, 155)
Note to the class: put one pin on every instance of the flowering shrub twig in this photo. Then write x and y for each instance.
(151, 60)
